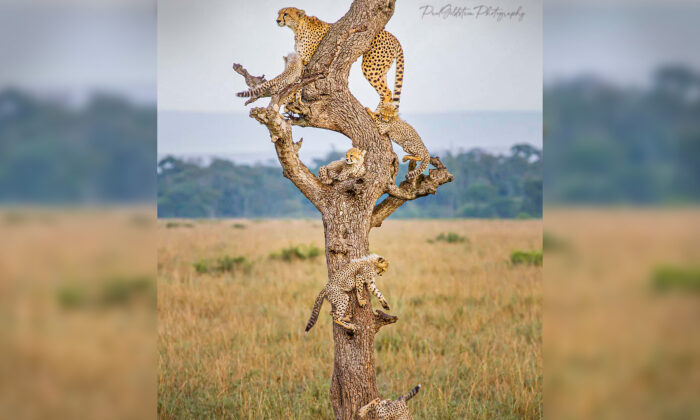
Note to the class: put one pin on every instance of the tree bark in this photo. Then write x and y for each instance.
(347, 208)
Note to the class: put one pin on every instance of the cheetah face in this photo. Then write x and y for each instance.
(387, 112)
(290, 16)
(355, 156)
(381, 265)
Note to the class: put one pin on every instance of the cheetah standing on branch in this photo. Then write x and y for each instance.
(293, 68)
(354, 275)
(403, 134)
(376, 61)
(390, 410)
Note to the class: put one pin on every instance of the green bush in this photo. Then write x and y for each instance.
(449, 237)
(238, 226)
(171, 225)
(684, 279)
(109, 292)
(225, 264)
(526, 257)
(296, 252)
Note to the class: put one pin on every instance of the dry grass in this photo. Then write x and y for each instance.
(231, 345)
(77, 313)
(618, 346)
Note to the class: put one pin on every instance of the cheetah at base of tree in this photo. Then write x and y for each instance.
(390, 410)
(403, 134)
(353, 166)
(292, 71)
(376, 61)
(354, 275)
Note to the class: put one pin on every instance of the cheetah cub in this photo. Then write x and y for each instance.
(292, 71)
(390, 410)
(353, 166)
(354, 275)
(388, 122)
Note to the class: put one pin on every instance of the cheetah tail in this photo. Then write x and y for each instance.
(423, 165)
(316, 310)
(398, 82)
(256, 91)
(412, 393)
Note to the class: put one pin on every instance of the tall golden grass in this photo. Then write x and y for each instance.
(231, 344)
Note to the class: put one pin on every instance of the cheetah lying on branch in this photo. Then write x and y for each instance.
(292, 71)
(353, 166)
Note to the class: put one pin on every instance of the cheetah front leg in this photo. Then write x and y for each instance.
(359, 285)
(373, 288)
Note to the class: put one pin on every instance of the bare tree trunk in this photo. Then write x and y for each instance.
(349, 209)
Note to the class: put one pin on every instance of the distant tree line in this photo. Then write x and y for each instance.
(51, 153)
(609, 144)
(485, 186)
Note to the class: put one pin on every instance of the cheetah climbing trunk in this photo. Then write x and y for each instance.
(353, 384)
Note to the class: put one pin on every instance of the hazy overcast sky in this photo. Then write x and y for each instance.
(78, 46)
(619, 40)
(452, 64)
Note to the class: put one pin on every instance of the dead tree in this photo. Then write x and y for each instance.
(349, 209)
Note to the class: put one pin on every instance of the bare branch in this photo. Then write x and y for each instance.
(251, 81)
(410, 190)
(382, 319)
(287, 153)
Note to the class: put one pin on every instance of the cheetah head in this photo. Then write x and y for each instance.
(369, 407)
(381, 265)
(355, 156)
(290, 16)
(387, 112)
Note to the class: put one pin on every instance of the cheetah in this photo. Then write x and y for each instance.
(390, 410)
(293, 68)
(354, 275)
(353, 166)
(376, 61)
(405, 136)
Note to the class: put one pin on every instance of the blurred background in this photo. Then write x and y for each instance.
(622, 226)
(77, 217)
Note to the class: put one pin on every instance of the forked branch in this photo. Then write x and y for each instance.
(250, 80)
(410, 190)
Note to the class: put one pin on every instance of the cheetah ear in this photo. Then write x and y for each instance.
(302, 13)
(364, 152)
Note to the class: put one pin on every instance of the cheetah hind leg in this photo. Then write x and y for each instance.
(374, 68)
(342, 316)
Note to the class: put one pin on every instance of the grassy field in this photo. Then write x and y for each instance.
(231, 319)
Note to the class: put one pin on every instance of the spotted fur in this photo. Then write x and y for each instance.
(292, 71)
(355, 275)
(376, 61)
(353, 166)
(388, 409)
(403, 134)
